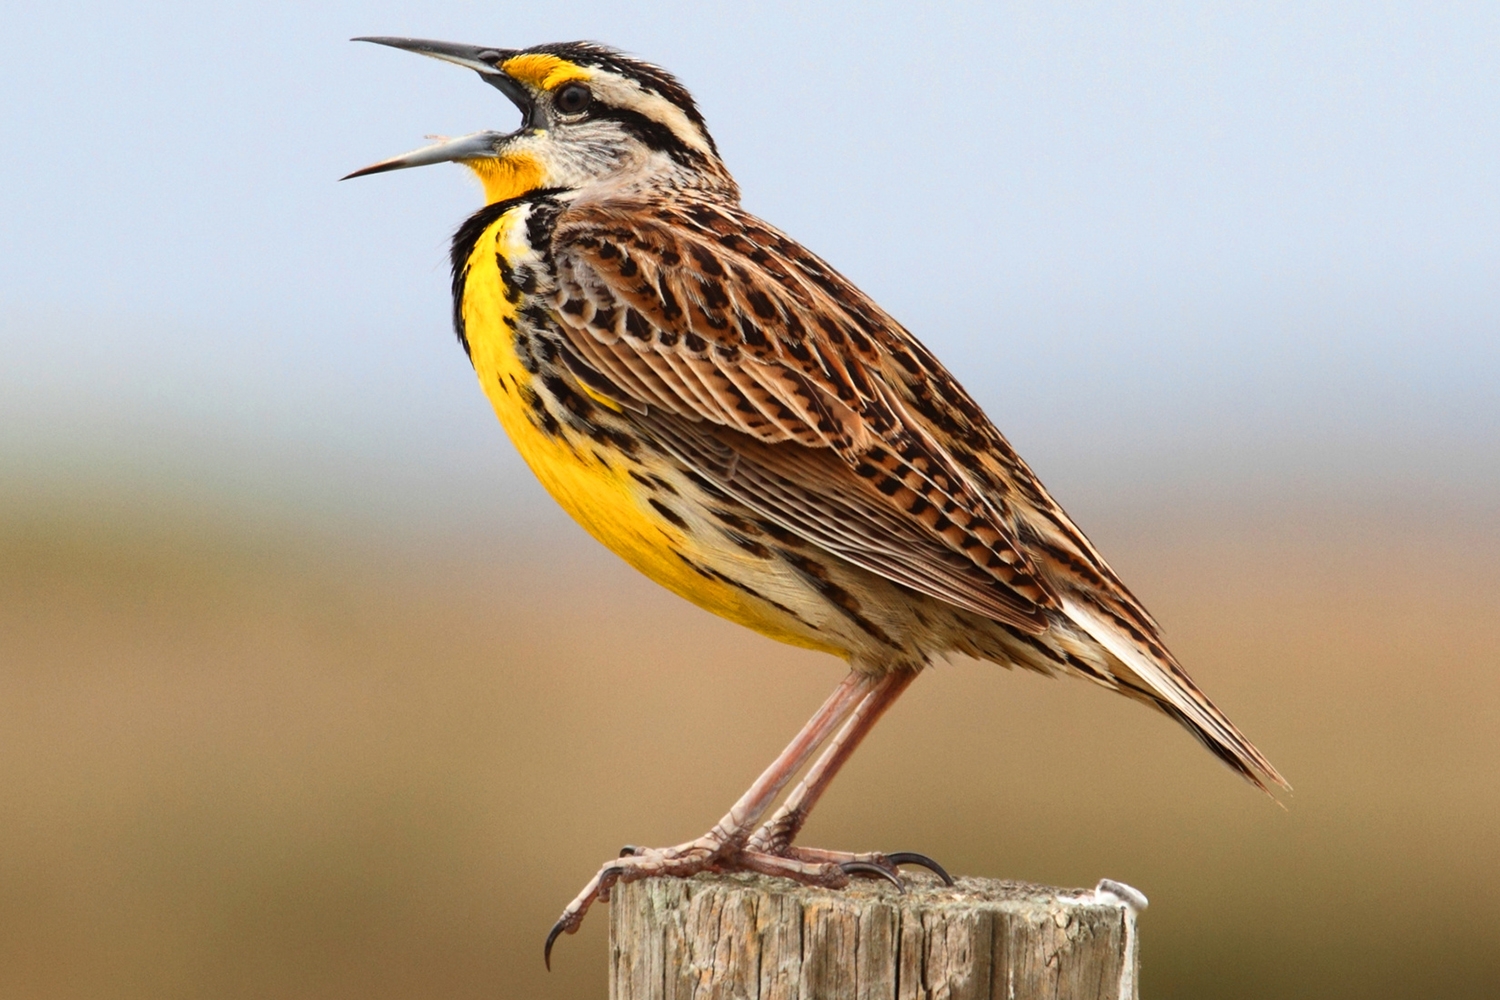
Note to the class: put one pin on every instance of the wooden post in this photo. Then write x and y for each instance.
(745, 937)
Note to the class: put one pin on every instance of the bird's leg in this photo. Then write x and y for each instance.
(776, 836)
(733, 829)
(779, 832)
(723, 847)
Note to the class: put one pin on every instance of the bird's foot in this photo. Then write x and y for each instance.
(889, 864)
(709, 854)
(776, 835)
(861, 863)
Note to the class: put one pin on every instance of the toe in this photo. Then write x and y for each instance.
(922, 860)
(873, 871)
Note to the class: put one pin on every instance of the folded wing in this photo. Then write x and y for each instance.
(760, 365)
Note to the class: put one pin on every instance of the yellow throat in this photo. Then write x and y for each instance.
(508, 176)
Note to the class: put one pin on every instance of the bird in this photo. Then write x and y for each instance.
(729, 414)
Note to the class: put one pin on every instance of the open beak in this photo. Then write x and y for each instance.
(484, 61)
(465, 147)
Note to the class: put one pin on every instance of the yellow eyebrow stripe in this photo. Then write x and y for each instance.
(543, 71)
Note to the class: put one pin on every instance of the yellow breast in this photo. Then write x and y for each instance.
(588, 481)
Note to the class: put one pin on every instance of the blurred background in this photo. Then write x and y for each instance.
(307, 690)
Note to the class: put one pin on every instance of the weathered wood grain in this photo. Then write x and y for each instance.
(744, 937)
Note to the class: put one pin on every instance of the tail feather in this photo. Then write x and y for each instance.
(1171, 690)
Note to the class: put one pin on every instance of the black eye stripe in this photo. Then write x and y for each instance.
(652, 79)
(651, 132)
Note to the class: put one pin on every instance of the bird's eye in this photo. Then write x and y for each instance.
(572, 99)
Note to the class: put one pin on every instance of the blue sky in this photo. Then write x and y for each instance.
(1212, 247)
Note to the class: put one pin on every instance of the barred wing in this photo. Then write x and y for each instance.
(733, 332)
(762, 366)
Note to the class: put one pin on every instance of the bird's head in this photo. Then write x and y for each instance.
(592, 120)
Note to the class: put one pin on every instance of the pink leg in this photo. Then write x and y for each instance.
(779, 832)
(853, 692)
(723, 847)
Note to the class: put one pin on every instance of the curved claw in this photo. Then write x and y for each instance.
(913, 858)
(573, 915)
(557, 929)
(866, 868)
(629, 851)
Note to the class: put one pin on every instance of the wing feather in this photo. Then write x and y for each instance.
(790, 487)
(746, 340)
(793, 393)
(761, 332)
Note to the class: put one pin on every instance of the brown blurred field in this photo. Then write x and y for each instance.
(245, 757)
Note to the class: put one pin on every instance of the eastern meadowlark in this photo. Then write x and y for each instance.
(732, 417)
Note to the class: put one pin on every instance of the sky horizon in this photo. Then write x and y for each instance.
(1231, 252)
